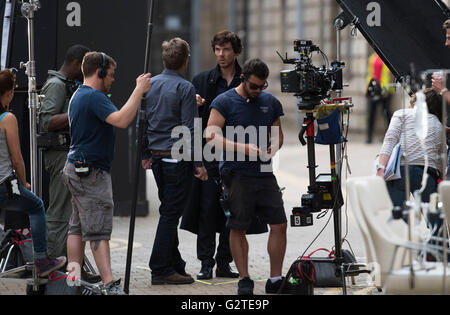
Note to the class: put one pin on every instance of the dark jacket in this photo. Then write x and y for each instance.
(206, 84)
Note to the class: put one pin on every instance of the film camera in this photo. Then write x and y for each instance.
(309, 83)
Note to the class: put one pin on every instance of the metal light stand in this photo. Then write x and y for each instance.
(140, 136)
(28, 10)
(336, 173)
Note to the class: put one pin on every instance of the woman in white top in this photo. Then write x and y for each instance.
(402, 129)
(15, 191)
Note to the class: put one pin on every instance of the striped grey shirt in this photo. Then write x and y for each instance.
(402, 128)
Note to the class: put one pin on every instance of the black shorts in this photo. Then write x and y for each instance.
(250, 196)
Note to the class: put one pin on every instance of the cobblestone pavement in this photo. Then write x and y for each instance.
(293, 175)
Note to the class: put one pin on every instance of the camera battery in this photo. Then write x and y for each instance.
(301, 217)
(290, 82)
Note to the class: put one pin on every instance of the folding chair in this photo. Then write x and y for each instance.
(389, 242)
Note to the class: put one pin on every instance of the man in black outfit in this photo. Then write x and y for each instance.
(204, 215)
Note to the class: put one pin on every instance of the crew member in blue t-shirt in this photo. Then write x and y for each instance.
(245, 123)
(92, 118)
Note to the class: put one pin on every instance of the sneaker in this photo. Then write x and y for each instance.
(274, 287)
(46, 266)
(89, 277)
(245, 286)
(113, 288)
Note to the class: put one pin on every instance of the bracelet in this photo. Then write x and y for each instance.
(443, 91)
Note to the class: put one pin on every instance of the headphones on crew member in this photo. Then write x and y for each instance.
(104, 68)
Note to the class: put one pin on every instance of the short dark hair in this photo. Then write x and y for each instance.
(76, 52)
(257, 68)
(93, 61)
(434, 102)
(446, 24)
(7, 81)
(175, 53)
(226, 36)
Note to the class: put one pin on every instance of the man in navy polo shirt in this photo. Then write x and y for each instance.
(92, 118)
(245, 123)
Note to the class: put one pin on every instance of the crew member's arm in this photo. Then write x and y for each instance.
(391, 139)
(383, 160)
(189, 112)
(277, 138)
(59, 122)
(439, 88)
(51, 116)
(123, 118)
(12, 139)
(215, 137)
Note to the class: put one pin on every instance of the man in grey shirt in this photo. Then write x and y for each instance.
(58, 90)
(171, 104)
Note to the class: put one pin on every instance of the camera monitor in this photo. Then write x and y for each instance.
(403, 32)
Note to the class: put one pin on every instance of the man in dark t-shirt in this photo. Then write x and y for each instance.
(92, 118)
(92, 137)
(245, 123)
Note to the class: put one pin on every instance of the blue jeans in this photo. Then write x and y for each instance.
(173, 181)
(29, 203)
(397, 191)
(448, 168)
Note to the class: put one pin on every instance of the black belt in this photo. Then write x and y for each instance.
(161, 153)
(7, 179)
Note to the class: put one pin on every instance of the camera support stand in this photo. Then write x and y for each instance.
(343, 269)
(310, 136)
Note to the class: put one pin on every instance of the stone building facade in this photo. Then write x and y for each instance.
(268, 26)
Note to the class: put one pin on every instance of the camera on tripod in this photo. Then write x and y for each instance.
(309, 83)
(319, 197)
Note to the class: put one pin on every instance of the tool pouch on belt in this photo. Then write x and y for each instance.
(12, 186)
(224, 195)
(82, 169)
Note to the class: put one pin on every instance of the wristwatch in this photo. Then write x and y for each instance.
(443, 91)
(380, 167)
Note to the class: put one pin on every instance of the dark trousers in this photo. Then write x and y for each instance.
(372, 105)
(448, 167)
(173, 181)
(397, 190)
(210, 216)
